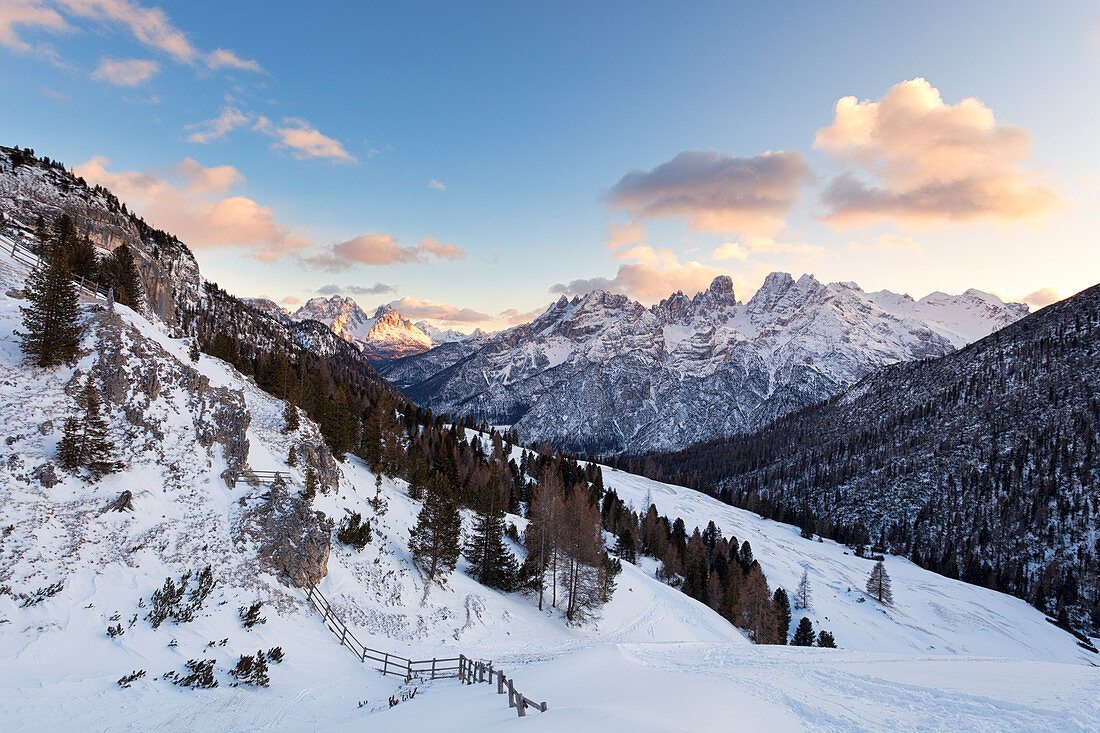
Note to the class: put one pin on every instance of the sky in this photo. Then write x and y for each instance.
(472, 162)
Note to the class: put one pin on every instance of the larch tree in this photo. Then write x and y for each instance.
(878, 585)
(803, 597)
(757, 610)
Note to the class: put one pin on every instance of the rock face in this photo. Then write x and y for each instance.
(293, 538)
(30, 188)
(383, 337)
(604, 374)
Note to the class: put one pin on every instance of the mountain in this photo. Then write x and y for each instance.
(383, 337)
(983, 464)
(603, 374)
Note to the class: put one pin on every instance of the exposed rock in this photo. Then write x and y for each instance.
(292, 538)
(45, 475)
(16, 293)
(324, 465)
(46, 428)
(124, 502)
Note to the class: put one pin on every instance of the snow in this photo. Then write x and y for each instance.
(947, 653)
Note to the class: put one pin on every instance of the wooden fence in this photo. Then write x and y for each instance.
(472, 672)
(26, 256)
(466, 670)
(263, 478)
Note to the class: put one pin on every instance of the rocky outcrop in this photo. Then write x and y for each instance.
(317, 455)
(603, 374)
(292, 538)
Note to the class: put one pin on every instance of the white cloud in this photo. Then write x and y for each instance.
(924, 161)
(436, 185)
(381, 249)
(217, 128)
(1043, 297)
(125, 72)
(416, 309)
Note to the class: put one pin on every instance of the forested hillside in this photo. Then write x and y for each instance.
(982, 465)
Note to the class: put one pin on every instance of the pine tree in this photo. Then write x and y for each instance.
(290, 415)
(120, 272)
(52, 321)
(84, 442)
(804, 634)
(624, 544)
(193, 350)
(878, 585)
(491, 563)
(292, 457)
(803, 597)
(83, 261)
(436, 539)
(782, 615)
(310, 490)
(825, 640)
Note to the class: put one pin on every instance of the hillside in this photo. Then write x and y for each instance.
(182, 425)
(602, 374)
(981, 465)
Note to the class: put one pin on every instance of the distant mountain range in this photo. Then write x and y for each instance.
(603, 374)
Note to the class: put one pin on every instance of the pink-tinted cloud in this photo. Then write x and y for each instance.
(381, 249)
(17, 15)
(189, 201)
(1043, 297)
(304, 141)
(416, 309)
(919, 160)
(716, 192)
(217, 128)
(653, 275)
(125, 72)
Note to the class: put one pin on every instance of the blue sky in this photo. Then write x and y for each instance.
(529, 119)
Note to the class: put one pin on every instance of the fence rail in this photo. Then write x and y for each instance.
(466, 670)
(26, 256)
(472, 672)
(263, 478)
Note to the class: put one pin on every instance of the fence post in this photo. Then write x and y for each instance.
(409, 666)
(343, 634)
(433, 668)
(521, 706)
(490, 672)
(500, 683)
(542, 706)
(511, 695)
(385, 662)
(461, 666)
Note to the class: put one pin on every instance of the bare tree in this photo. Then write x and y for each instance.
(878, 585)
(803, 597)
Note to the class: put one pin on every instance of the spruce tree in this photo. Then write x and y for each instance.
(193, 350)
(84, 442)
(804, 634)
(491, 562)
(120, 272)
(878, 585)
(290, 416)
(825, 640)
(435, 541)
(83, 262)
(783, 615)
(624, 545)
(52, 321)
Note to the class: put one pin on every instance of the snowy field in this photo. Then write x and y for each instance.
(946, 656)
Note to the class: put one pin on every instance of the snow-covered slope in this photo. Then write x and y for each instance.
(603, 374)
(657, 660)
(383, 337)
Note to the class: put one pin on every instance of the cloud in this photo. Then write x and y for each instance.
(381, 249)
(513, 317)
(750, 245)
(416, 309)
(716, 192)
(924, 161)
(149, 26)
(289, 301)
(208, 131)
(887, 242)
(303, 140)
(125, 72)
(376, 289)
(1043, 297)
(29, 14)
(654, 274)
(620, 235)
(730, 251)
(436, 185)
(54, 94)
(189, 201)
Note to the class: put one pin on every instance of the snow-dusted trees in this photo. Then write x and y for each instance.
(491, 562)
(84, 442)
(52, 327)
(436, 538)
(878, 585)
